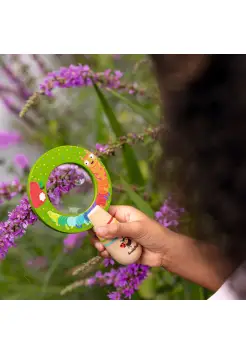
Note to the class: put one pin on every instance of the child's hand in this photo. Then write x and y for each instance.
(196, 261)
(136, 226)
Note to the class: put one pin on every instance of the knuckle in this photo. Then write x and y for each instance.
(139, 227)
(140, 230)
(115, 228)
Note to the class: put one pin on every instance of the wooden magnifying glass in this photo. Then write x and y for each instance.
(124, 250)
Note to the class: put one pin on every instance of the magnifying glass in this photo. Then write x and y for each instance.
(124, 250)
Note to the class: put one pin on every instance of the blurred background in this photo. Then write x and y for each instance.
(40, 265)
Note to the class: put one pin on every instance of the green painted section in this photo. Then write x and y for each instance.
(40, 173)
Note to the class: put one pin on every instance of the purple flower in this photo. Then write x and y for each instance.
(73, 241)
(128, 292)
(116, 56)
(65, 178)
(40, 63)
(16, 225)
(22, 161)
(80, 76)
(127, 279)
(118, 74)
(169, 214)
(91, 281)
(62, 180)
(10, 104)
(101, 148)
(40, 262)
(108, 261)
(23, 91)
(10, 190)
(9, 138)
(114, 296)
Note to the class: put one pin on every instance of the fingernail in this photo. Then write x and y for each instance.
(101, 231)
(99, 247)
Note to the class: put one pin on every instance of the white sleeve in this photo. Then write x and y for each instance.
(234, 288)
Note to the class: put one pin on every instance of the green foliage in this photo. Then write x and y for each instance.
(137, 107)
(134, 172)
(137, 200)
(86, 117)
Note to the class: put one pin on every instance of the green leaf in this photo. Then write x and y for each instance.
(116, 127)
(132, 165)
(168, 278)
(147, 290)
(100, 124)
(53, 126)
(131, 162)
(57, 261)
(138, 108)
(137, 200)
(194, 292)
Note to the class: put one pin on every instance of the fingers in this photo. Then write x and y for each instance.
(134, 230)
(131, 227)
(105, 254)
(125, 213)
(99, 246)
(121, 213)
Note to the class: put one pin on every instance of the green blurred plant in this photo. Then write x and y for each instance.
(38, 268)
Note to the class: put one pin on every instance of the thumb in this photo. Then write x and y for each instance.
(134, 230)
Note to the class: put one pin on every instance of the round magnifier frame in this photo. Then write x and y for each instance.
(38, 195)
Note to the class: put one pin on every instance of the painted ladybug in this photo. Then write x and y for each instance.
(38, 197)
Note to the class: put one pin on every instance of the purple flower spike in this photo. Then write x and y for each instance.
(22, 161)
(114, 296)
(9, 138)
(73, 241)
(16, 225)
(10, 190)
(169, 214)
(80, 76)
(127, 279)
(61, 180)
(107, 262)
(101, 148)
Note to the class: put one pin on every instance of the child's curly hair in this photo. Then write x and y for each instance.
(204, 144)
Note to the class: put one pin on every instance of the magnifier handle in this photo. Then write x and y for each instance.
(124, 250)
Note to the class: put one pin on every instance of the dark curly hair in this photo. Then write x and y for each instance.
(204, 143)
